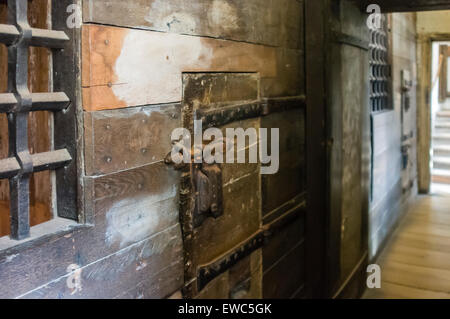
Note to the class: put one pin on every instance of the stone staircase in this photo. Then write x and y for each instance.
(441, 148)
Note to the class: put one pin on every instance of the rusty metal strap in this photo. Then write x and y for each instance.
(274, 105)
(221, 116)
(207, 273)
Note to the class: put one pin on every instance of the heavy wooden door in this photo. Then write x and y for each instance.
(254, 247)
(228, 64)
(265, 240)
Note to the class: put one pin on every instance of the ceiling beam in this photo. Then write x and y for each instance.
(408, 5)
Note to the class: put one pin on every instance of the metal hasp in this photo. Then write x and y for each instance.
(208, 195)
(18, 35)
(207, 182)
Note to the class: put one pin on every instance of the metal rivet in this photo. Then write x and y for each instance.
(108, 159)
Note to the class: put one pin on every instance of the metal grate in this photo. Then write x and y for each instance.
(380, 69)
(19, 36)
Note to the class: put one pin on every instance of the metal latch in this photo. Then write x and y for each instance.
(207, 181)
(208, 196)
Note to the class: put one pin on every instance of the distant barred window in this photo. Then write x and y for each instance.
(380, 68)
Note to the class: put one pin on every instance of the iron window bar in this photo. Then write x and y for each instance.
(380, 69)
(18, 36)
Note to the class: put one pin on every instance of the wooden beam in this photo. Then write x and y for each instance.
(408, 5)
(127, 67)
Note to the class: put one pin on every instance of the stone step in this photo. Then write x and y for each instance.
(441, 130)
(440, 176)
(442, 125)
(441, 121)
(442, 163)
(441, 151)
(441, 138)
(443, 114)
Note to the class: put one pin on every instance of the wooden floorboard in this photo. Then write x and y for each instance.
(416, 262)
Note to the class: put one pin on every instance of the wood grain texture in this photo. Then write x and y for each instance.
(269, 22)
(414, 5)
(155, 259)
(127, 138)
(213, 90)
(117, 70)
(242, 281)
(242, 219)
(282, 280)
(291, 176)
(416, 261)
(130, 209)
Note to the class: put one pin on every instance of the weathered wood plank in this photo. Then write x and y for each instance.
(269, 22)
(107, 276)
(117, 70)
(412, 5)
(283, 242)
(242, 219)
(292, 152)
(282, 280)
(213, 90)
(123, 139)
(158, 286)
(130, 207)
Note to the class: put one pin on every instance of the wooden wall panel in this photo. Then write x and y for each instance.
(117, 70)
(130, 209)
(212, 90)
(144, 54)
(283, 279)
(269, 22)
(348, 143)
(143, 262)
(127, 138)
(391, 182)
(283, 242)
(354, 97)
(291, 174)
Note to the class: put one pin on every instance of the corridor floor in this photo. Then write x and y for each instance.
(416, 261)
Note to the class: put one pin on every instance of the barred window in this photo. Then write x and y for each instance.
(37, 118)
(380, 68)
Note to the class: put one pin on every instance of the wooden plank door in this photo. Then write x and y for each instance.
(249, 250)
(242, 64)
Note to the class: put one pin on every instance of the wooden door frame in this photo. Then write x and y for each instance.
(316, 160)
(424, 69)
